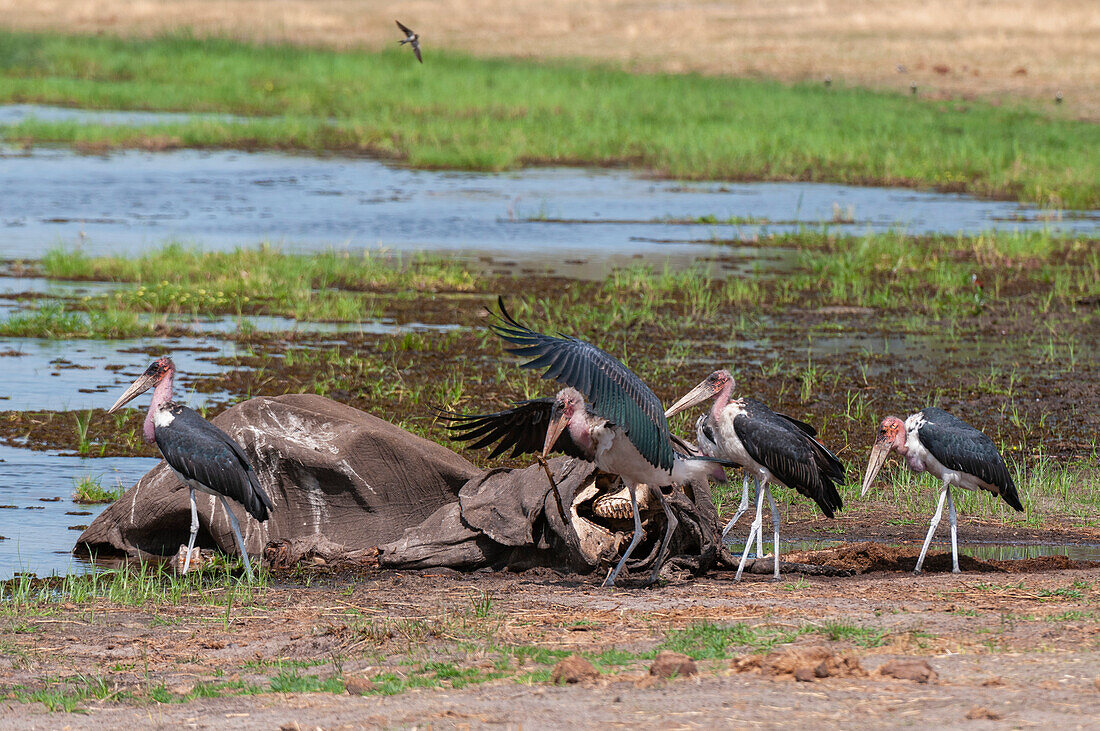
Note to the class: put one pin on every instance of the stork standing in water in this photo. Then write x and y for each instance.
(606, 415)
(203, 456)
(950, 450)
(770, 446)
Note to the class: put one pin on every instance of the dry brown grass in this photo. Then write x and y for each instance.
(1026, 49)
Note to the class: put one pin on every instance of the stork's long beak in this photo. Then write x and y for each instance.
(558, 422)
(699, 394)
(879, 453)
(140, 386)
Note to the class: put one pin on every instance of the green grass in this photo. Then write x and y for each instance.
(708, 641)
(54, 320)
(69, 694)
(176, 280)
(931, 276)
(464, 112)
(88, 489)
(215, 584)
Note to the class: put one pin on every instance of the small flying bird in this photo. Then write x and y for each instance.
(770, 447)
(949, 449)
(412, 38)
(900, 68)
(606, 415)
(203, 456)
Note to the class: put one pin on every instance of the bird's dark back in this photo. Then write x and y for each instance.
(959, 446)
(200, 451)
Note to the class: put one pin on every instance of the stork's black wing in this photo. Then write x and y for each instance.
(800, 424)
(611, 389)
(202, 452)
(521, 428)
(959, 446)
(795, 458)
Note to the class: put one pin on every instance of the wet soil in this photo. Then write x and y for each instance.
(841, 368)
(1028, 379)
(362, 627)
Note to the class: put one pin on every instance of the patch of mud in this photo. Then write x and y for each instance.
(866, 557)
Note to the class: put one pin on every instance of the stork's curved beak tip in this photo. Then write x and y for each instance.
(879, 453)
(553, 431)
(140, 386)
(696, 395)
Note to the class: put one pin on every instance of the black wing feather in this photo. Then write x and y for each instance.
(960, 447)
(800, 424)
(521, 428)
(202, 452)
(611, 389)
(794, 457)
(404, 30)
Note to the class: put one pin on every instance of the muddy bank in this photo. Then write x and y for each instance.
(840, 368)
(424, 647)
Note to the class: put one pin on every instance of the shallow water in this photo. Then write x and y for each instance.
(36, 529)
(126, 202)
(63, 375)
(16, 113)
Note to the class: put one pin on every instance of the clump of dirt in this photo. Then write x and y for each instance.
(919, 671)
(804, 664)
(668, 664)
(868, 557)
(573, 669)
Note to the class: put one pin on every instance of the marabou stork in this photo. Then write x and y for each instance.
(606, 415)
(771, 447)
(949, 449)
(203, 456)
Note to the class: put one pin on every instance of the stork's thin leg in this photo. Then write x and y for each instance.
(954, 532)
(240, 541)
(760, 530)
(756, 525)
(931, 529)
(633, 541)
(775, 528)
(194, 530)
(670, 527)
(740, 508)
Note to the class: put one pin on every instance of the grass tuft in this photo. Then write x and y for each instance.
(89, 490)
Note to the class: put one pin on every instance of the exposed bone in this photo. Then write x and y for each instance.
(617, 505)
(595, 540)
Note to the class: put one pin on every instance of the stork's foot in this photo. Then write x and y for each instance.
(916, 572)
(194, 561)
(609, 582)
(956, 571)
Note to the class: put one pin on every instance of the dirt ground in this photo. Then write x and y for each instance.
(965, 626)
(1011, 49)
